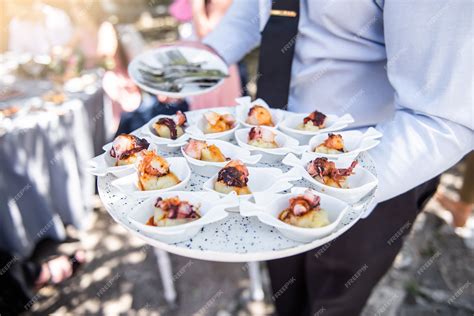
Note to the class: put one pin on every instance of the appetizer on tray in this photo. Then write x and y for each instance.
(201, 150)
(304, 126)
(233, 178)
(347, 181)
(154, 173)
(305, 211)
(218, 123)
(326, 172)
(333, 144)
(302, 214)
(271, 143)
(175, 216)
(126, 149)
(260, 137)
(259, 115)
(313, 122)
(119, 156)
(171, 127)
(173, 211)
(206, 158)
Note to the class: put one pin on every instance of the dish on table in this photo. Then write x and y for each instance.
(208, 157)
(257, 113)
(155, 174)
(245, 181)
(301, 215)
(168, 132)
(177, 71)
(303, 126)
(349, 183)
(271, 143)
(214, 125)
(179, 215)
(119, 156)
(343, 146)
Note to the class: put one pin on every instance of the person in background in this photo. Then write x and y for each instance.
(37, 28)
(125, 96)
(461, 209)
(206, 15)
(85, 15)
(396, 65)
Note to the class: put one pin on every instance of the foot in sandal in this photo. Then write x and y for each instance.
(59, 269)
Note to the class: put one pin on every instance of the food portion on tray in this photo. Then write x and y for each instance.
(119, 156)
(154, 173)
(126, 148)
(233, 178)
(173, 211)
(304, 210)
(170, 127)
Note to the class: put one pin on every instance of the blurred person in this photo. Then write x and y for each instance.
(20, 279)
(124, 95)
(461, 208)
(37, 28)
(396, 65)
(206, 15)
(86, 16)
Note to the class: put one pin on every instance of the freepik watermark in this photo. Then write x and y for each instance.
(398, 233)
(203, 310)
(356, 275)
(283, 288)
(428, 263)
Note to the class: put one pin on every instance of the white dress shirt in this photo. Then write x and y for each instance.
(404, 66)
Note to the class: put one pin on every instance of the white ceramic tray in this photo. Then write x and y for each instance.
(235, 238)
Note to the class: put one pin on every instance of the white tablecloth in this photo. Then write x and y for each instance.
(42, 182)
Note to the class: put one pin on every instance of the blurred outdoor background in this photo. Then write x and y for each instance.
(65, 92)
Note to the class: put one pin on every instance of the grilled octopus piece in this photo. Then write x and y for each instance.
(152, 164)
(180, 118)
(126, 145)
(194, 148)
(304, 203)
(334, 141)
(317, 118)
(259, 115)
(234, 174)
(261, 133)
(176, 209)
(322, 167)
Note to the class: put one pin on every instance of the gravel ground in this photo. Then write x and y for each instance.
(431, 276)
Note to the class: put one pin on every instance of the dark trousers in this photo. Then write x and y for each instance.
(16, 280)
(337, 278)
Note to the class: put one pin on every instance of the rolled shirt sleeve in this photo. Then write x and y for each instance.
(429, 65)
(238, 32)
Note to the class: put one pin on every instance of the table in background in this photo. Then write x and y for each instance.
(42, 153)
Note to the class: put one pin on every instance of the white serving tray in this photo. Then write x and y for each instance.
(235, 238)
